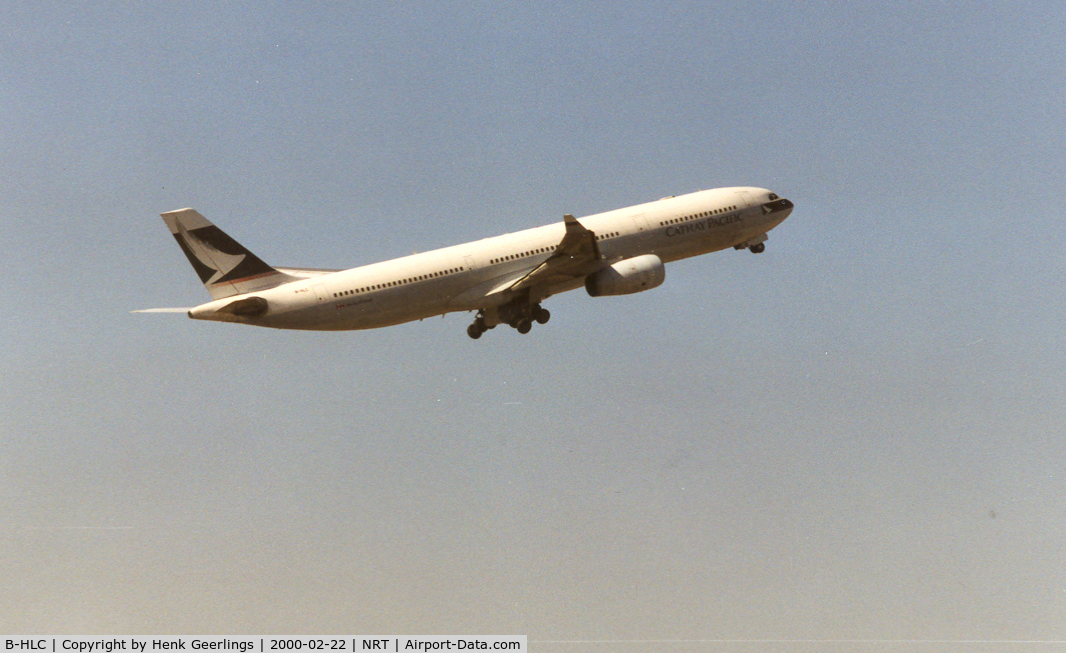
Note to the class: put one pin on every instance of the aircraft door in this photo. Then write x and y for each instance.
(744, 199)
(641, 222)
(320, 292)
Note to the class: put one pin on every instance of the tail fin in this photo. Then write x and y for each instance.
(225, 267)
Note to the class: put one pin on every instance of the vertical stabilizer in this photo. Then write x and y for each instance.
(225, 267)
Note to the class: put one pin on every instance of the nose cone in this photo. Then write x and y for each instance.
(775, 211)
(782, 206)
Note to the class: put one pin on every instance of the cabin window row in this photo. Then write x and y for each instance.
(515, 257)
(697, 216)
(543, 250)
(400, 282)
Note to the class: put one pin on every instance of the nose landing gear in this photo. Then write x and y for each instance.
(756, 245)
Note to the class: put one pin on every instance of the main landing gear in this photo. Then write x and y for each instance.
(520, 317)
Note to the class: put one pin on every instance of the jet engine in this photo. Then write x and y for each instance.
(627, 276)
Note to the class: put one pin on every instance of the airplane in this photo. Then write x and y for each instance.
(503, 279)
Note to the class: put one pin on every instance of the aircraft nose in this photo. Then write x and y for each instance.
(777, 206)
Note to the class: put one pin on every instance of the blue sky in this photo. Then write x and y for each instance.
(856, 435)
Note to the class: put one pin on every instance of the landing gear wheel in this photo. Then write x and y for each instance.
(758, 249)
(473, 331)
(524, 327)
(542, 316)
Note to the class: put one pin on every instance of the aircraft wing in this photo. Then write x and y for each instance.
(577, 255)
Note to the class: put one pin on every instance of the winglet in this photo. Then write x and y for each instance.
(579, 240)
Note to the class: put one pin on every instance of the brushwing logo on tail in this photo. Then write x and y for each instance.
(224, 266)
(214, 263)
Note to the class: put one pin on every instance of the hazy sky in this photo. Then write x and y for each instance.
(858, 435)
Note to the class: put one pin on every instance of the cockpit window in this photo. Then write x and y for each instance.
(773, 196)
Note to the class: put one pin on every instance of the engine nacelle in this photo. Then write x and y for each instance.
(628, 276)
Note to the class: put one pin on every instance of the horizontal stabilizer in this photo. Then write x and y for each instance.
(247, 307)
(305, 273)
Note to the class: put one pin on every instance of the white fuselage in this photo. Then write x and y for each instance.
(472, 276)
